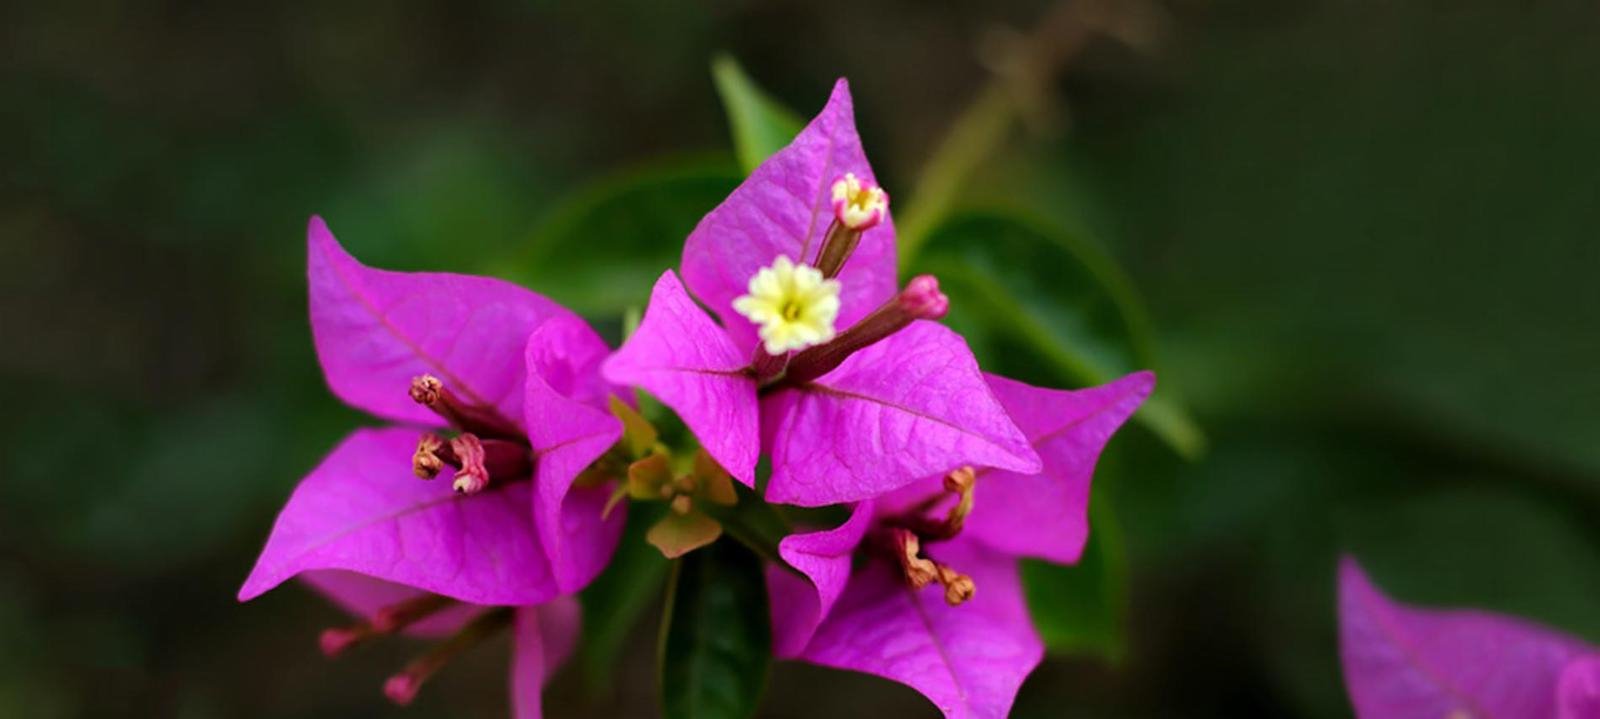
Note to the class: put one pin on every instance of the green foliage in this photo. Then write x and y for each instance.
(600, 250)
(716, 644)
(1043, 306)
(1081, 609)
(760, 125)
(614, 601)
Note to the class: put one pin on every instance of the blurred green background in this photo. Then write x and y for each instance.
(1361, 234)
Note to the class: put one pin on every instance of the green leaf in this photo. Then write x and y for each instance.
(601, 250)
(760, 125)
(1039, 304)
(716, 645)
(613, 602)
(972, 139)
(1080, 609)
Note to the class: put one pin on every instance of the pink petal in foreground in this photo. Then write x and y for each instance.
(1578, 692)
(1046, 515)
(376, 329)
(784, 208)
(363, 510)
(543, 638)
(363, 596)
(1405, 662)
(968, 660)
(910, 406)
(569, 429)
(682, 358)
(800, 603)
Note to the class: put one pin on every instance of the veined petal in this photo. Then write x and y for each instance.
(968, 660)
(800, 604)
(784, 208)
(364, 511)
(910, 406)
(543, 639)
(1406, 662)
(375, 330)
(569, 428)
(1046, 515)
(685, 360)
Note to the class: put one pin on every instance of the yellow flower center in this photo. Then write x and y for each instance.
(793, 305)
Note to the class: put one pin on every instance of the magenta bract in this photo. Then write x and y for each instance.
(968, 659)
(1405, 662)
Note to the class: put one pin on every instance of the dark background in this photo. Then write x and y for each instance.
(1365, 230)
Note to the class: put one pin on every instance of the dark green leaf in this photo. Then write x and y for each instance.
(760, 125)
(1483, 546)
(716, 645)
(613, 602)
(1080, 609)
(600, 251)
(1041, 305)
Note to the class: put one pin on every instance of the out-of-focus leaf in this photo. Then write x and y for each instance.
(716, 645)
(453, 194)
(1040, 305)
(599, 251)
(613, 602)
(971, 140)
(760, 125)
(1494, 549)
(1080, 609)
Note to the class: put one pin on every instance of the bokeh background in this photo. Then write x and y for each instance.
(1363, 234)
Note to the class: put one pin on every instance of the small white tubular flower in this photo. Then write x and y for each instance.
(794, 306)
(858, 205)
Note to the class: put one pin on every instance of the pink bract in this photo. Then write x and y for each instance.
(969, 659)
(1401, 661)
(784, 208)
(496, 345)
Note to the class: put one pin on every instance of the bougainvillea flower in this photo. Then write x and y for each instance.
(514, 377)
(969, 645)
(1401, 661)
(813, 356)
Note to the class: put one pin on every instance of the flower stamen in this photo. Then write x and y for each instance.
(388, 620)
(428, 391)
(402, 688)
(478, 461)
(432, 454)
(920, 571)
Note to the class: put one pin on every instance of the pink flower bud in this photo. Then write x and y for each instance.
(922, 299)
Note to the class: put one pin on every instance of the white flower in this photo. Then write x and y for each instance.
(793, 304)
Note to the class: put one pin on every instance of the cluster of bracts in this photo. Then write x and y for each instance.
(788, 337)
